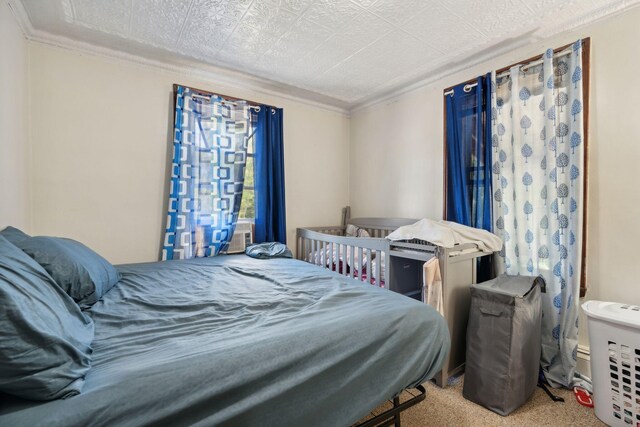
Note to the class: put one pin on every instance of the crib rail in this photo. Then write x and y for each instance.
(336, 230)
(356, 257)
(380, 227)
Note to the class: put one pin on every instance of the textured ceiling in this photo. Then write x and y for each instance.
(350, 51)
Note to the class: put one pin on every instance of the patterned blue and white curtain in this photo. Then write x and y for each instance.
(538, 192)
(207, 174)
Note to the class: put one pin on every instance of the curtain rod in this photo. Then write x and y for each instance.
(206, 93)
(226, 101)
(526, 65)
(564, 50)
(466, 88)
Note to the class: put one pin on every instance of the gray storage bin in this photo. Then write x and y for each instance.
(503, 342)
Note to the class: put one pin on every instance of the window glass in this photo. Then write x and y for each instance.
(247, 206)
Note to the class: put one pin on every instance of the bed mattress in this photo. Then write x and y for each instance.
(237, 341)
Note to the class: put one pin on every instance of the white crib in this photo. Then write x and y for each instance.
(398, 266)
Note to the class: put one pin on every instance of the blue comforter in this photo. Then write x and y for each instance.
(237, 341)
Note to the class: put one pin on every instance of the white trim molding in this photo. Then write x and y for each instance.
(536, 38)
(220, 76)
(584, 352)
(20, 14)
(583, 364)
(244, 81)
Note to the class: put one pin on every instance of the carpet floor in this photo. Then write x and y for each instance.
(447, 407)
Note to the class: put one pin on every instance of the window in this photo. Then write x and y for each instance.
(529, 97)
(248, 204)
(467, 184)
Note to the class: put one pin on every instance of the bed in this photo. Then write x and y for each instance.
(397, 266)
(232, 340)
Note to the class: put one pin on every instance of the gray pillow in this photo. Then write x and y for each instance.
(45, 350)
(13, 235)
(79, 271)
(268, 250)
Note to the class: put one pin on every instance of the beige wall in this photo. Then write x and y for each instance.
(396, 158)
(15, 193)
(396, 153)
(100, 130)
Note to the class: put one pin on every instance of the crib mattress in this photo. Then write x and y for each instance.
(237, 341)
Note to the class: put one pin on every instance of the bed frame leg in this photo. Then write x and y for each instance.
(391, 417)
(396, 418)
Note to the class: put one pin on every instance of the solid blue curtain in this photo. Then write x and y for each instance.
(207, 174)
(468, 154)
(270, 225)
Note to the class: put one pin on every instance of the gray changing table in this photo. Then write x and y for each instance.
(458, 270)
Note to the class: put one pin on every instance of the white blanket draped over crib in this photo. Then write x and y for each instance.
(448, 234)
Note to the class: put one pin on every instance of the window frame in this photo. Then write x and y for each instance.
(251, 155)
(586, 90)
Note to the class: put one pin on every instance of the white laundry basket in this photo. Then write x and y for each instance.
(614, 337)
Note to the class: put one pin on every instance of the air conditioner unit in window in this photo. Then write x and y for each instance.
(242, 238)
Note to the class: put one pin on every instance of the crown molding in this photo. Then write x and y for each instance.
(243, 81)
(575, 24)
(21, 17)
(222, 77)
(439, 74)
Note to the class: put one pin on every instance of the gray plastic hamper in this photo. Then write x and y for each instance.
(503, 342)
